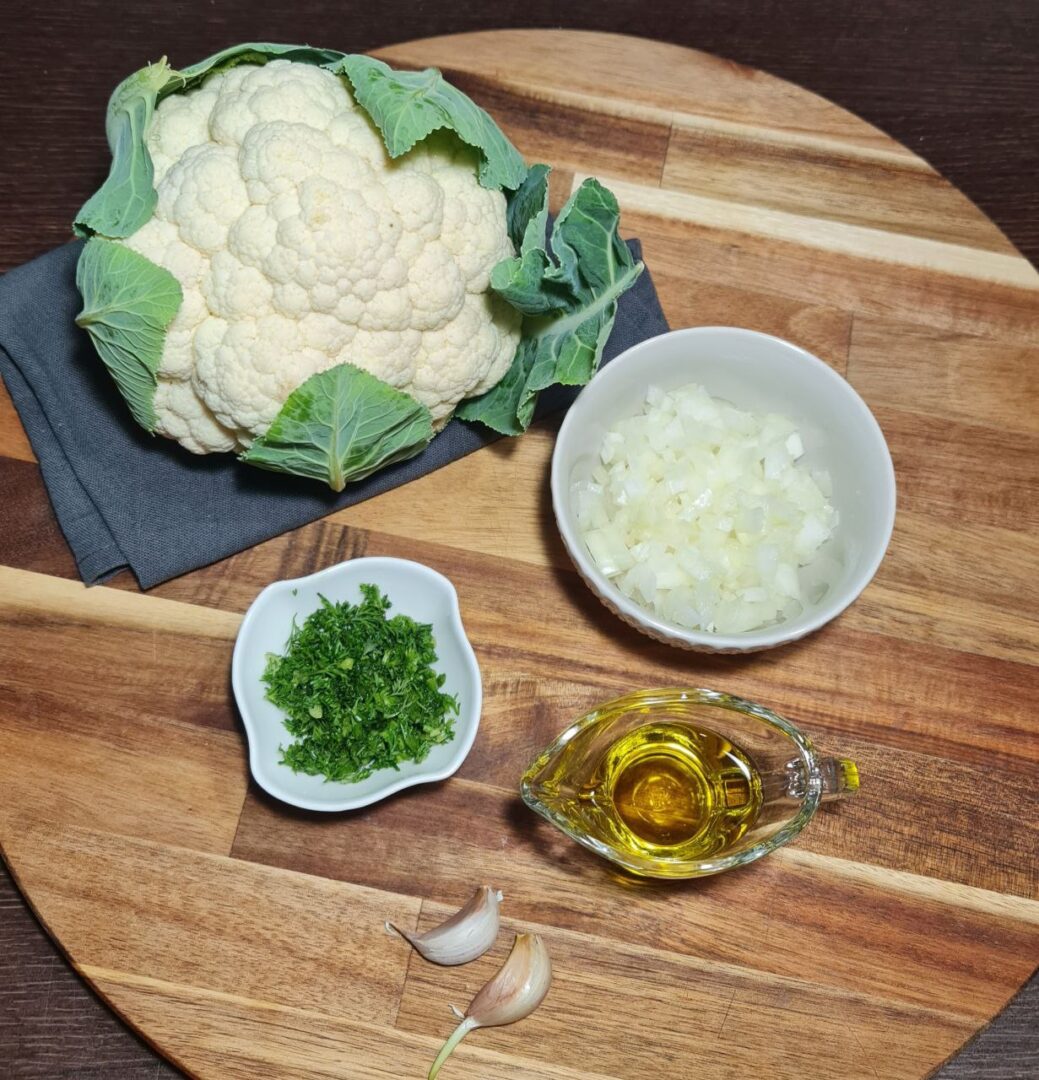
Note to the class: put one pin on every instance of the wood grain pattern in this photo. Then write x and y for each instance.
(781, 920)
(688, 1008)
(245, 938)
(218, 924)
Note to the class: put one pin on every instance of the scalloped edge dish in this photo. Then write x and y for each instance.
(413, 589)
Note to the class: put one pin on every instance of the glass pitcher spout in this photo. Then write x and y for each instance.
(840, 778)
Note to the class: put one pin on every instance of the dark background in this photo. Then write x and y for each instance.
(957, 81)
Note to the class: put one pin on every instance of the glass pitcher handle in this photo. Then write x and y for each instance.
(840, 778)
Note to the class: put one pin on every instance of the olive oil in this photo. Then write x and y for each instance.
(654, 795)
(677, 783)
(677, 792)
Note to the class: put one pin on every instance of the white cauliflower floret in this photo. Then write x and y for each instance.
(470, 351)
(183, 416)
(300, 245)
(471, 229)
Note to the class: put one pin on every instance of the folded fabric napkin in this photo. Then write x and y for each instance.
(126, 499)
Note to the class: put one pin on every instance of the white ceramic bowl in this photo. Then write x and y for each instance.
(413, 589)
(764, 374)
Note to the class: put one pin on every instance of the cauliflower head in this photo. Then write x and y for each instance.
(299, 244)
(312, 259)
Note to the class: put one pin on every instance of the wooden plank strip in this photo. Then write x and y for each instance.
(962, 473)
(901, 947)
(688, 1011)
(155, 659)
(507, 492)
(214, 923)
(38, 599)
(827, 183)
(226, 1037)
(836, 237)
(960, 623)
(863, 149)
(989, 821)
(947, 375)
(66, 759)
(966, 592)
(857, 283)
(572, 134)
(981, 567)
(31, 538)
(824, 331)
(1013, 908)
(654, 78)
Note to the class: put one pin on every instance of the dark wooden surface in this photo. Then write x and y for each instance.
(956, 82)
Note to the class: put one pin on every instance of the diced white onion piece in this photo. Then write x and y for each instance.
(700, 512)
(823, 481)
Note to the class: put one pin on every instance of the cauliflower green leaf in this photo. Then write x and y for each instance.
(128, 302)
(341, 425)
(127, 198)
(406, 106)
(521, 280)
(568, 290)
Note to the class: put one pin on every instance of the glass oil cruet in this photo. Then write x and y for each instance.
(683, 783)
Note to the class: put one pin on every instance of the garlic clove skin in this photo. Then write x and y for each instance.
(518, 988)
(514, 993)
(469, 933)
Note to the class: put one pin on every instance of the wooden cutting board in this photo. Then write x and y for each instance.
(245, 939)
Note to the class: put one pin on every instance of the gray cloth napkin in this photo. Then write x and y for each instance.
(125, 499)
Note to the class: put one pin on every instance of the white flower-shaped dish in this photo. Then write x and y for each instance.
(413, 589)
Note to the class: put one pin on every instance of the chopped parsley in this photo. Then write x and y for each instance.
(359, 691)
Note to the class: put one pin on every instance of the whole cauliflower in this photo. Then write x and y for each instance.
(315, 260)
(299, 244)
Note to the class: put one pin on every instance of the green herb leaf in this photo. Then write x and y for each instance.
(406, 106)
(568, 291)
(341, 425)
(128, 302)
(359, 690)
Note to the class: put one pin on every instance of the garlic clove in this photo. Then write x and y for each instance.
(514, 993)
(469, 933)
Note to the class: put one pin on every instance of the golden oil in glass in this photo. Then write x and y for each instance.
(677, 791)
(663, 792)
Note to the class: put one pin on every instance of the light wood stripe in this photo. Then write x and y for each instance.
(26, 595)
(834, 236)
(628, 109)
(805, 140)
(1000, 905)
(434, 913)
(654, 74)
(960, 622)
(482, 1059)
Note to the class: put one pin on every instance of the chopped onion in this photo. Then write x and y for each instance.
(700, 512)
